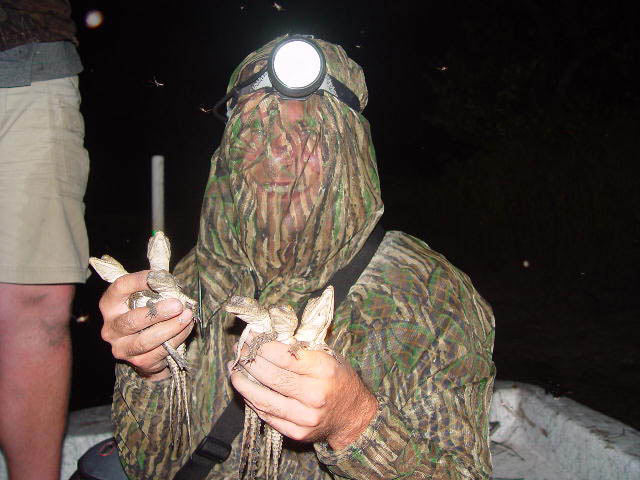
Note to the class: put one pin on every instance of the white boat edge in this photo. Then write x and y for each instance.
(537, 437)
(553, 438)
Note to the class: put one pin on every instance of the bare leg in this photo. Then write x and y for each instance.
(35, 366)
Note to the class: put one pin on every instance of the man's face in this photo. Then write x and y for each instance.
(285, 158)
(278, 153)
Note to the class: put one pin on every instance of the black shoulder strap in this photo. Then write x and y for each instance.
(348, 275)
(216, 446)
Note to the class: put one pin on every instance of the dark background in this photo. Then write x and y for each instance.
(507, 139)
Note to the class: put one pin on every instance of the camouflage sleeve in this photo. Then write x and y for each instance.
(186, 273)
(391, 447)
(150, 446)
(140, 412)
(422, 340)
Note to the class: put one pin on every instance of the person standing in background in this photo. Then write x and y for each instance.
(43, 238)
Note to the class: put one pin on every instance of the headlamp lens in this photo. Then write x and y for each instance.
(297, 64)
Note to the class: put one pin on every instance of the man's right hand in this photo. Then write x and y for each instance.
(136, 336)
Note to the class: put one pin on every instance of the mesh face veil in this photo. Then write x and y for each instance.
(296, 69)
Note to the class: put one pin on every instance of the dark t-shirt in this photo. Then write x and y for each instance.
(37, 42)
(35, 21)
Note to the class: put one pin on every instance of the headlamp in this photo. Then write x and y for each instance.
(296, 69)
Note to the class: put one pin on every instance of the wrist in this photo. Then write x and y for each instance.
(161, 375)
(154, 376)
(365, 413)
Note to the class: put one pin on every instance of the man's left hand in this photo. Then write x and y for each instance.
(312, 398)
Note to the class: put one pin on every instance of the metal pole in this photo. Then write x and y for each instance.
(157, 193)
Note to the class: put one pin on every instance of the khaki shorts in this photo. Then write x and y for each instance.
(43, 178)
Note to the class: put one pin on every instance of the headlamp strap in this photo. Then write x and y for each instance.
(260, 80)
(344, 93)
(235, 92)
(330, 84)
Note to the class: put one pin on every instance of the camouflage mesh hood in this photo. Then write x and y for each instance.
(293, 191)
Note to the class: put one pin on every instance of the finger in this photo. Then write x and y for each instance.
(146, 340)
(114, 300)
(273, 403)
(303, 388)
(128, 284)
(308, 362)
(138, 319)
(155, 360)
(151, 362)
(285, 427)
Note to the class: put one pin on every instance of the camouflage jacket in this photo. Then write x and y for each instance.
(292, 196)
(421, 338)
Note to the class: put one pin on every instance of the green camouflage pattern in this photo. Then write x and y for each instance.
(293, 194)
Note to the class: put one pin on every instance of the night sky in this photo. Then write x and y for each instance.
(506, 135)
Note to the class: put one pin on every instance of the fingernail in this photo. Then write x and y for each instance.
(172, 306)
(186, 317)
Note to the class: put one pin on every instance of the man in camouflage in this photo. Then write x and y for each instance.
(292, 196)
